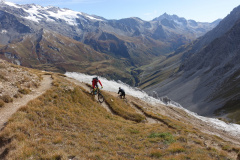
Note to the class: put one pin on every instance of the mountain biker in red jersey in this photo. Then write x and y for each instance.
(95, 81)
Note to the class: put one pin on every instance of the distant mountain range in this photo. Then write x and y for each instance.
(129, 43)
(204, 76)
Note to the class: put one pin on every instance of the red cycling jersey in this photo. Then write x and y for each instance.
(94, 82)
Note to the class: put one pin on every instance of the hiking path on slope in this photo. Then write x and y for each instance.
(10, 108)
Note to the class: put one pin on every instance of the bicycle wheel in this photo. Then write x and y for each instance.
(100, 98)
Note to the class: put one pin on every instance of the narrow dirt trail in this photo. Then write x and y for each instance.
(10, 108)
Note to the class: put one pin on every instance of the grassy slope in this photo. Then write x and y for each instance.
(66, 122)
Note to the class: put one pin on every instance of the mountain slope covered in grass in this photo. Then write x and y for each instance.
(66, 122)
(51, 51)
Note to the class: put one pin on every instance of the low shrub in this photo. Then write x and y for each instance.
(7, 98)
(176, 148)
(24, 90)
(156, 153)
(2, 65)
(1, 103)
(167, 137)
(18, 95)
(3, 78)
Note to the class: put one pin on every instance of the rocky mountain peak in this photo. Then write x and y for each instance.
(175, 22)
(170, 17)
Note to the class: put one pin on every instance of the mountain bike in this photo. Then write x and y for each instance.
(98, 93)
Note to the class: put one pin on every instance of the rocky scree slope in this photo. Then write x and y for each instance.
(15, 81)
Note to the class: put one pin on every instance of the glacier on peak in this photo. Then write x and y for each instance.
(38, 13)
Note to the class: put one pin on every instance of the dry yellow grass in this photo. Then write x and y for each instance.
(122, 109)
(6, 98)
(1, 103)
(65, 123)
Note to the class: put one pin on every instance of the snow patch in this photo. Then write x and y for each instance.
(67, 15)
(110, 85)
(33, 11)
(90, 17)
(113, 86)
(12, 4)
(64, 14)
(4, 31)
(231, 128)
(37, 13)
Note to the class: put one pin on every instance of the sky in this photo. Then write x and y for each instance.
(198, 10)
